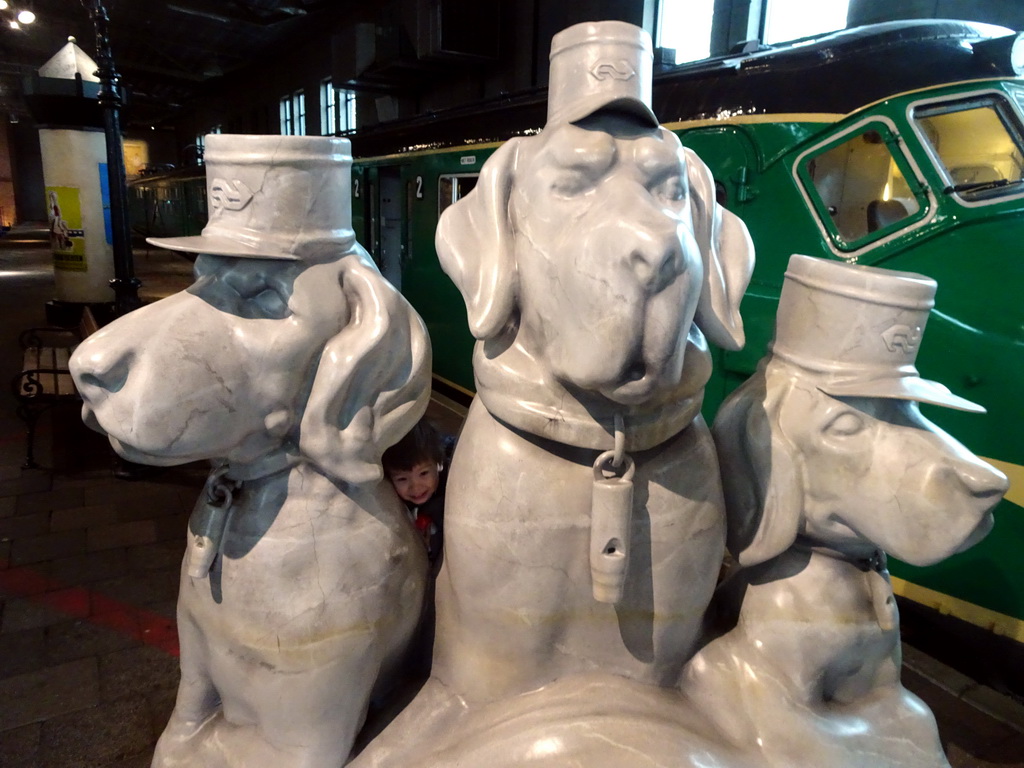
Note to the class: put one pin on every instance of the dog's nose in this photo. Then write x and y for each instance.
(654, 252)
(983, 481)
(99, 369)
(655, 265)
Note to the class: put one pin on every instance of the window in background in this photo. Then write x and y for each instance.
(287, 121)
(452, 187)
(978, 143)
(299, 112)
(293, 114)
(347, 110)
(337, 109)
(862, 186)
(685, 25)
(200, 144)
(792, 19)
(328, 108)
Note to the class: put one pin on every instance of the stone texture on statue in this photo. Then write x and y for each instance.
(827, 463)
(603, 240)
(293, 364)
(593, 259)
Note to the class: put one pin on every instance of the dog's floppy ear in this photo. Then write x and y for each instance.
(475, 245)
(728, 255)
(373, 381)
(761, 474)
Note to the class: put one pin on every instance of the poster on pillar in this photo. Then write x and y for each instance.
(108, 224)
(67, 238)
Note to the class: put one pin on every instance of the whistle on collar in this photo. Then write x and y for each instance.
(611, 521)
(206, 524)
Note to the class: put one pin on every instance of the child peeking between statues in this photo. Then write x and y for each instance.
(417, 466)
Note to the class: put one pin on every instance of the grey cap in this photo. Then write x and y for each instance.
(600, 65)
(858, 330)
(273, 197)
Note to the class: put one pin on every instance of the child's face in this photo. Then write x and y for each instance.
(415, 485)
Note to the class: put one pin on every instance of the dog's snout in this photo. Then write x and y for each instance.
(98, 371)
(655, 261)
(981, 480)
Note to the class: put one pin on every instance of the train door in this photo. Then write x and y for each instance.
(361, 210)
(390, 208)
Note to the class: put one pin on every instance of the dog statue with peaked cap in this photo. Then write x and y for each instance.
(827, 465)
(593, 260)
(293, 365)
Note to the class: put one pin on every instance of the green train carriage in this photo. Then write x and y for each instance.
(898, 145)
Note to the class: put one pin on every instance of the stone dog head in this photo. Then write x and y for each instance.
(839, 457)
(597, 242)
(326, 359)
(600, 236)
(305, 348)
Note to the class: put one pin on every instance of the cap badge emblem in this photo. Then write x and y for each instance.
(230, 196)
(902, 338)
(614, 70)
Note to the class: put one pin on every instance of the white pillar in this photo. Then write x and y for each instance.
(78, 207)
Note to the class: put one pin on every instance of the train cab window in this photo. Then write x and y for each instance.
(859, 186)
(977, 144)
(452, 187)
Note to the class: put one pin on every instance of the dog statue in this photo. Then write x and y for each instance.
(827, 464)
(585, 524)
(293, 364)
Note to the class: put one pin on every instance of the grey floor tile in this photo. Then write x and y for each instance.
(79, 639)
(30, 481)
(46, 501)
(19, 747)
(47, 547)
(7, 505)
(141, 760)
(122, 535)
(151, 557)
(48, 692)
(16, 526)
(89, 567)
(97, 736)
(82, 517)
(22, 652)
(26, 613)
(136, 671)
(161, 704)
(142, 587)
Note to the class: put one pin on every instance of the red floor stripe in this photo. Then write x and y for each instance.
(98, 609)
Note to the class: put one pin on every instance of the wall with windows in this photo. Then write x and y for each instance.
(250, 101)
(379, 64)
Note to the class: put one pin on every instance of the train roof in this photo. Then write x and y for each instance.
(834, 73)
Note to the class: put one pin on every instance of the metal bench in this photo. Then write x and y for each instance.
(44, 379)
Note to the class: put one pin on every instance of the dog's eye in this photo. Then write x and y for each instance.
(846, 424)
(569, 183)
(670, 188)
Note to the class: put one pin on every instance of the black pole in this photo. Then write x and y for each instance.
(125, 284)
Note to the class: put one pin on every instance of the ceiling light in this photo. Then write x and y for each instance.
(13, 24)
(3, 5)
(26, 17)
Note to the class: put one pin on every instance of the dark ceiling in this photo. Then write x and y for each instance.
(165, 50)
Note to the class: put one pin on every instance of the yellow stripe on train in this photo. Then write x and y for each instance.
(997, 623)
(1016, 474)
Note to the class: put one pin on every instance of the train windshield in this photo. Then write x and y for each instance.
(859, 185)
(977, 144)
